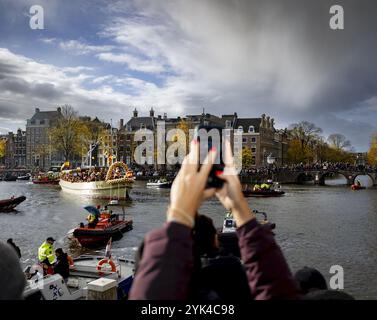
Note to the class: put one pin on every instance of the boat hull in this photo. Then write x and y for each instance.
(98, 189)
(263, 193)
(10, 204)
(91, 237)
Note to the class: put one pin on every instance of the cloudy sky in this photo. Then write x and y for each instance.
(250, 57)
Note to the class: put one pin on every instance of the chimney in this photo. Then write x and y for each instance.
(59, 110)
(165, 115)
(135, 113)
(121, 124)
(151, 112)
(268, 123)
(263, 120)
(37, 110)
(272, 123)
(159, 117)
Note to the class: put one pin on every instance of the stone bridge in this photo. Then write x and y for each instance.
(298, 177)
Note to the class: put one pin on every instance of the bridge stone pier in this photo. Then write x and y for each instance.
(298, 177)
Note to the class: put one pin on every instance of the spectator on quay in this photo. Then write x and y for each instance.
(167, 265)
(12, 279)
(15, 247)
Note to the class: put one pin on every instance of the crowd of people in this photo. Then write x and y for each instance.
(186, 258)
(84, 175)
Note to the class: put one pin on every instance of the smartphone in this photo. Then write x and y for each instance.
(208, 137)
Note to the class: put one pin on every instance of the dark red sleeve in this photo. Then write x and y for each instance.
(166, 265)
(267, 270)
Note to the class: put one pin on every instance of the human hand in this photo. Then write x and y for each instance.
(230, 195)
(188, 189)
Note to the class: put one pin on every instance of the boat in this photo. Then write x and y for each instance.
(26, 177)
(9, 177)
(357, 187)
(161, 184)
(109, 226)
(114, 185)
(263, 193)
(85, 269)
(10, 204)
(50, 178)
(227, 236)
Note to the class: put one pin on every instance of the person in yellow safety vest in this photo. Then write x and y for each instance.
(46, 252)
(92, 220)
(256, 187)
(265, 186)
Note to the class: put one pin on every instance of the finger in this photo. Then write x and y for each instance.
(208, 193)
(208, 163)
(193, 156)
(229, 161)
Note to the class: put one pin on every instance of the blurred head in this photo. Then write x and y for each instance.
(310, 279)
(12, 279)
(328, 295)
(59, 252)
(50, 240)
(10, 240)
(205, 235)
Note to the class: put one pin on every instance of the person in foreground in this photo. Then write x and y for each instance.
(166, 267)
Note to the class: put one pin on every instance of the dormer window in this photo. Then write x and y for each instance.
(240, 128)
(228, 123)
(142, 126)
(251, 129)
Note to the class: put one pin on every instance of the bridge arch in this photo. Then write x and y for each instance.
(323, 175)
(304, 177)
(372, 177)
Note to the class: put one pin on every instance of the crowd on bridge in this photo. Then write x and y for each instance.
(325, 166)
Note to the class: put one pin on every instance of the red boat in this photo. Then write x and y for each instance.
(263, 193)
(9, 204)
(46, 180)
(357, 187)
(108, 226)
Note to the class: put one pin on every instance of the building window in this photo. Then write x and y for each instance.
(228, 124)
(253, 150)
(251, 129)
(240, 128)
(244, 140)
(253, 139)
(41, 122)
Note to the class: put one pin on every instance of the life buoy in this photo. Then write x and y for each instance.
(106, 261)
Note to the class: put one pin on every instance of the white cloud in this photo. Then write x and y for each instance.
(132, 62)
(81, 48)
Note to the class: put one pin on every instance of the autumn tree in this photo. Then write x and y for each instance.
(247, 158)
(3, 145)
(372, 153)
(70, 134)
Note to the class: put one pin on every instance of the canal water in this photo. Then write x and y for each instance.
(316, 226)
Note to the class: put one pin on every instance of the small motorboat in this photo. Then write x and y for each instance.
(9, 177)
(162, 184)
(109, 226)
(26, 177)
(84, 270)
(357, 187)
(263, 193)
(51, 180)
(227, 236)
(10, 204)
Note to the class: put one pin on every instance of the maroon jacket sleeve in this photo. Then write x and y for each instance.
(267, 270)
(166, 265)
